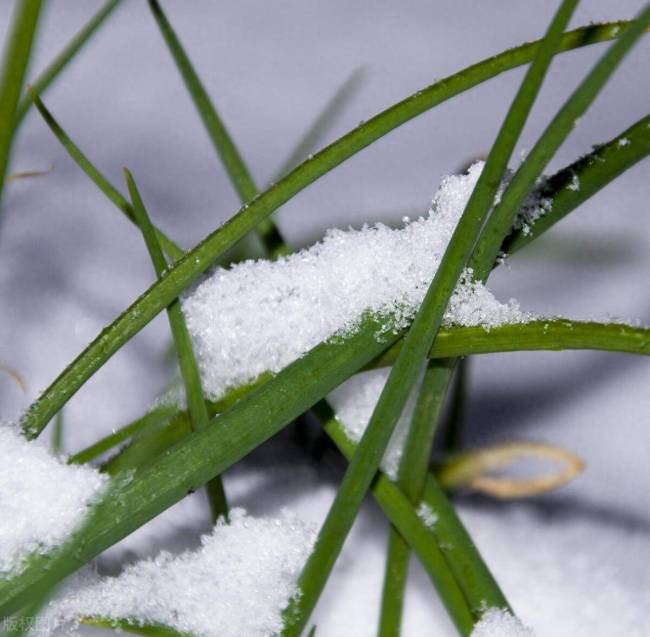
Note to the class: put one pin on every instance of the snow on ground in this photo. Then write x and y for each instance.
(237, 583)
(41, 498)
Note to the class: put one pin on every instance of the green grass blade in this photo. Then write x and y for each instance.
(221, 140)
(555, 133)
(449, 535)
(223, 143)
(197, 459)
(190, 374)
(57, 434)
(314, 135)
(593, 171)
(411, 477)
(454, 425)
(61, 61)
(199, 259)
(112, 193)
(15, 59)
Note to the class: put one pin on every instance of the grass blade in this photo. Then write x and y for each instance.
(223, 143)
(460, 553)
(198, 411)
(199, 259)
(112, 193)
(411, 477)
(593, 171)
(61, 61)
(15, 59)
(555, 133)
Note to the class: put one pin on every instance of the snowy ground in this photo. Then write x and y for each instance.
(571, 563)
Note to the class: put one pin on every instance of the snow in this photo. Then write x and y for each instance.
(500, 623)
(42, 499)
(427, 515)
(236, 584)
(260, 316)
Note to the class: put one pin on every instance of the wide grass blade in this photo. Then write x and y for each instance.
(112, 193)
(198, 260)
(61, 61)
(555, 133)
(190, 374)
(15, 59)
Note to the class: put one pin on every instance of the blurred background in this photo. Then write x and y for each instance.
(69, 263)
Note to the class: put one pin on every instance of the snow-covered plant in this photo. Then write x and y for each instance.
(363, 332)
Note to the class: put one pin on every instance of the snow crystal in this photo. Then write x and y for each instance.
(575, 183)
(427, 515)
(260, 316)
(236, 584)
(42, 499)
(624, 141)
(500, 623)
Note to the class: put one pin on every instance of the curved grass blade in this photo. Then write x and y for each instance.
(15, 59)
(61, 61)
(134, 627)
(223, 143)
(198, 260)
(98, 178)
(555, 133)
(187, 362)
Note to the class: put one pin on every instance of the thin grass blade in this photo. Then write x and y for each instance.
(112, 193)
(555, 133)
(15, 59)
(63, 59)
(190, 374)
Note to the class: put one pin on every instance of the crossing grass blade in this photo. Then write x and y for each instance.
(410, 479)
(15, 59)
(63, 59)
(197, 409)
(154, 300)
(223, 143)
(501, 221)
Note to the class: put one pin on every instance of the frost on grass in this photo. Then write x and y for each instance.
(42, 499)
(427, 515)
(260, 316)
(500, 623)
(235, 585)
